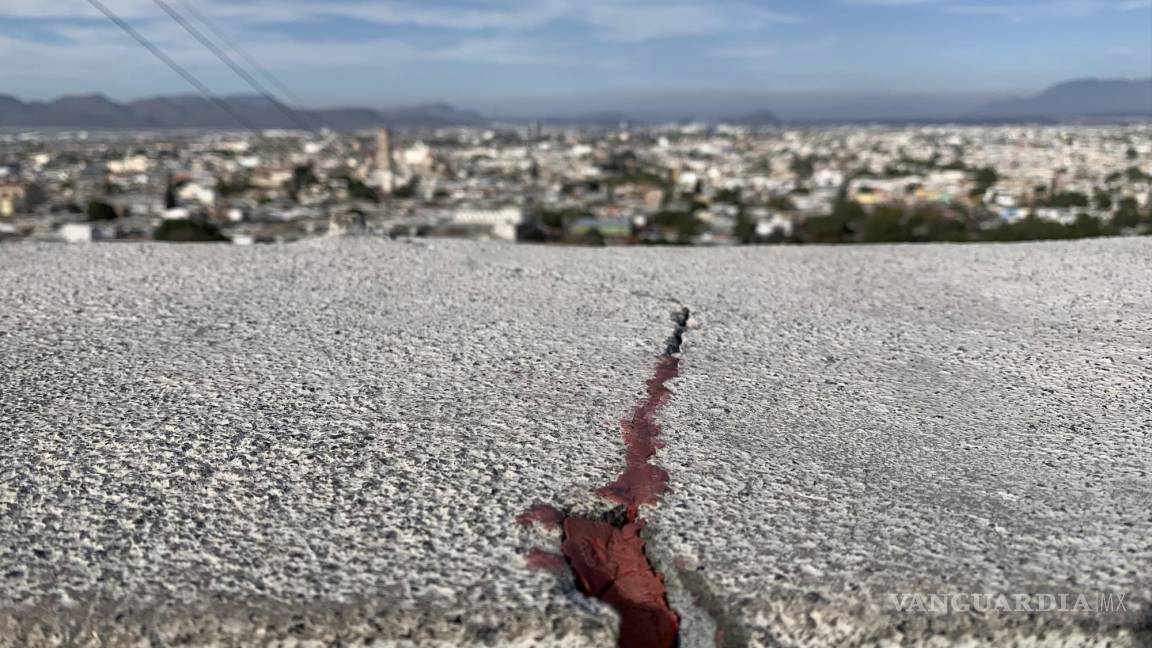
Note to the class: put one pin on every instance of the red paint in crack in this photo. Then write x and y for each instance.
(545, 561)
(610, 565)
(641, 482)
(609, 562)
(542, 514)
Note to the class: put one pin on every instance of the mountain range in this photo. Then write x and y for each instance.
(192, 111)
(1078, 99)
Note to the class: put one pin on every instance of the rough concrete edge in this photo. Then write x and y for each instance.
(95, 622)
(808, 618)
(786, 618)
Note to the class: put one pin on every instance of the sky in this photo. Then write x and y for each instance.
(567, 56)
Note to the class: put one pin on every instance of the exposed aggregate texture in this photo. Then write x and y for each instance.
(331, 441)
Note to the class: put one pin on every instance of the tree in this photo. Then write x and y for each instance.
(985, 178)
(745, 229)
(933, 224)
(733, 196)
(885, 225)
(802, 167)
(1087, 226)
(559, 218)
(685, 224)
(359, 191)
(34, 196)
(302, 177)
(188, 231)
(837, 227)
(227, 188)
(1067, 199)
(408, 190)
(170, 200)
(1135, 174)
(783, 203)
(1127, 214)
(1030, 229)
(101, 211)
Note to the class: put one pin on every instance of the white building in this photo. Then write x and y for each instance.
(503, 221)
(76, 232)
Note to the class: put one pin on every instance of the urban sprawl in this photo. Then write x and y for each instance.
(680, 184)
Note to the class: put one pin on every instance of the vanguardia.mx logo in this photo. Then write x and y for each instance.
(1082, 603)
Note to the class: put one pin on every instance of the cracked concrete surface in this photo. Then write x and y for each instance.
(935, 420)
(331, 441)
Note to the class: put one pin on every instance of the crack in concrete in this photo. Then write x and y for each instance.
(607, 557)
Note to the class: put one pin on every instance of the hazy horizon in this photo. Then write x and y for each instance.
(512, 57)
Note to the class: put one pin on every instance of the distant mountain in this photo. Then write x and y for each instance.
(1079, 98)
(83, 111)
(1099, 99)
(761, 118)
(193, 111)
(433, 114)
(602, 118)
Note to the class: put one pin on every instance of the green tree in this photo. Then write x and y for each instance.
(685, 224)
(228, 188)
(408, 190)
(1127, 214)
(560, 218)
(985, 178)
(745, 229)
(884, 225)
(1030, 229)
(732, 196)
(170, 199)
(1067, 199)
(101, 211)
(359, 191)
(594, 238)
(803, 167)
(188, 231)
(1135, 174)
(783, 203)
(34, 196)
(838, 227)
(302, 177)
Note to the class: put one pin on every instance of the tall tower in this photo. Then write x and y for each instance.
(385, 171)
(384, 150)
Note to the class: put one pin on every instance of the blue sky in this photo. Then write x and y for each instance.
(504, 55)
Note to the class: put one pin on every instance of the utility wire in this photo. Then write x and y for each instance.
(176, 67)
(232, 44)
(227, 60)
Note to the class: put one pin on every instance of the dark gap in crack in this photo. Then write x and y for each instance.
(607, 557)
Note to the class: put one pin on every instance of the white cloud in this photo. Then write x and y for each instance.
(102, 51)
(1015, 10)
(615, 20)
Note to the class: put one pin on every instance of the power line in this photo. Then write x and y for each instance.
(232, 44)
(227, 60)
(176, 67)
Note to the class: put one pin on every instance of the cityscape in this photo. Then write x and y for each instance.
(687, 183)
